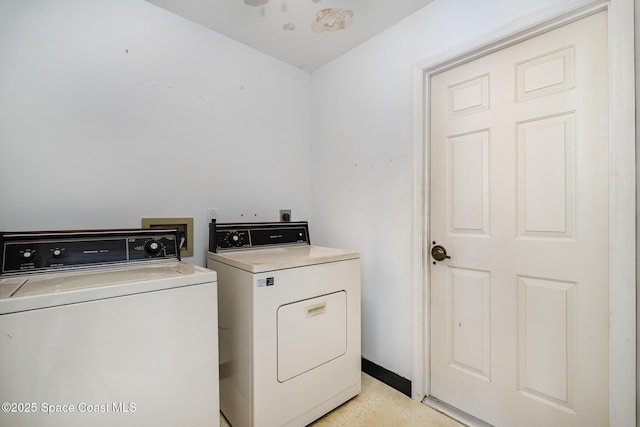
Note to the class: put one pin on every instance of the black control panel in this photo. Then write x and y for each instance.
(231, 236)
(23, 252)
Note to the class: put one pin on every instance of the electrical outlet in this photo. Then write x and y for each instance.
(212, 214)
(285, 215)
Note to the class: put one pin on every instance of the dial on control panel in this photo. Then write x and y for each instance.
(152, 247)
(236, 239)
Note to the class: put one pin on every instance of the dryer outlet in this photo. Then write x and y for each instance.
(212, 214)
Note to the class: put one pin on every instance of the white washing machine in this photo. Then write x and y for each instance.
(289, 324)
(106, 328)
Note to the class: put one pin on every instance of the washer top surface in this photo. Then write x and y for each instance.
(33, 291)
(263, 260)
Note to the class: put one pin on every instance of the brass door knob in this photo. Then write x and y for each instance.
(439, 253)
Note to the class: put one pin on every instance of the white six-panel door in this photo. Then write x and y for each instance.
(520, 200)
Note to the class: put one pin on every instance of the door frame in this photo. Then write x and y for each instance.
(622, 209)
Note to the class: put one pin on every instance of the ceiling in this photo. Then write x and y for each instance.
(303, 33)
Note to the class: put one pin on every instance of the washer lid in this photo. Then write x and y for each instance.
(33, 291)
(262, 260)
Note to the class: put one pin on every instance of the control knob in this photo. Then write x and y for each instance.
(56, 252)
(234, 239)
(152, 247)
(28, 254)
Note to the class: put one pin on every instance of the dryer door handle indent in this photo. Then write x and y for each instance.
(316, 309)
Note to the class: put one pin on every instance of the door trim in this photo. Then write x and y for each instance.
(622, 210)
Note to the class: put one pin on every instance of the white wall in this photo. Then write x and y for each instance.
(362, 167)
(111, 111)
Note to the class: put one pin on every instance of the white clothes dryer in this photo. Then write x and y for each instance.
(106, 328)
(289, 324)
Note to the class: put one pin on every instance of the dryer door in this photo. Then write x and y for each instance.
(311, 332)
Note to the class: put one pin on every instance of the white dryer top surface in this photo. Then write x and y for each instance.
(262, 260)
(33, 291)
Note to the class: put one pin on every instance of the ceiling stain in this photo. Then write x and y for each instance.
(332, 20)
(255, 3)
(289, 27)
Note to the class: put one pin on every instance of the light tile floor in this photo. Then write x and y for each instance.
(381, 406)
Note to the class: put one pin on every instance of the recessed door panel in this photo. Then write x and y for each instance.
(469, 321)
(546, 340)
(546, 74)
(468, 194)
(546, 177)
(469, 97)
